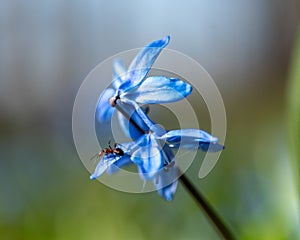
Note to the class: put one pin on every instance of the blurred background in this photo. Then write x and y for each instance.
(250, 49)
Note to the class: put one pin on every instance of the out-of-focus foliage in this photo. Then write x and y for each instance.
(294, 109)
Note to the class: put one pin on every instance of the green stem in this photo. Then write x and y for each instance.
(211, 214)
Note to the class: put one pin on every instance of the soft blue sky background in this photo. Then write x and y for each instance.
(48, 47)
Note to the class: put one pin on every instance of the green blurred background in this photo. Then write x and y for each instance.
(48, 47)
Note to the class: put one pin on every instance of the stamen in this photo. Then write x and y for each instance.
(167, 166)
(113, 100)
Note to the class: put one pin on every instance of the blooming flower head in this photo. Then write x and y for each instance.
(151, 150)
(155, 162)
(134, 84)
(151, 153)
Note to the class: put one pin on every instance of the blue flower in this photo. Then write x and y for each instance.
(151, 150)
(192, 139)
(152, 154)
(134, 84)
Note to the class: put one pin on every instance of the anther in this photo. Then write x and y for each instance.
(113, 100)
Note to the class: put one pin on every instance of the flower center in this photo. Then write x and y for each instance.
(113, 100)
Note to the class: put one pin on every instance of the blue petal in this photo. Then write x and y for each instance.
(127, 147)
(120, 163)
(103, 164)
(192, 146)
(168, 192)
(138, 116)
(104, 110)
(142, 63)
(124, 124)
(125, 160)
(131, 130)
(189, 136)
(119, 73)
(148, 157)
(159, 89)
(166, 182)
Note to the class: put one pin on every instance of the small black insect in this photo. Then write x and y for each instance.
(110, 150)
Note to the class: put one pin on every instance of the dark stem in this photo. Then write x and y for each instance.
(216, 221)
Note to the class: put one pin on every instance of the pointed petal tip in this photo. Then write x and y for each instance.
(211, 147)
(92, 177)
(167, 39)
(160, 43)
(169, 198)
(218, 144)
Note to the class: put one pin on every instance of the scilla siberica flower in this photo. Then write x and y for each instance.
(151, 151)
(152, 155)
(133, 85)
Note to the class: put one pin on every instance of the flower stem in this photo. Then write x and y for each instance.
(204, 205)
(216, 221)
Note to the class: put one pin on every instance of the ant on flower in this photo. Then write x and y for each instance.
(117, 151)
